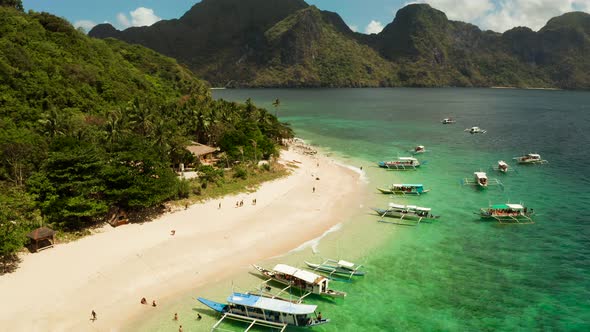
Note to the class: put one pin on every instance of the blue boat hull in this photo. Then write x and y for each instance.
(219, 307)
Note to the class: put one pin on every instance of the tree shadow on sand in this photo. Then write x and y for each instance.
(9, 263)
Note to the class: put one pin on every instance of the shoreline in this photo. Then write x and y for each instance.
(111, 271)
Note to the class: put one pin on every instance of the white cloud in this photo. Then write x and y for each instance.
(139, 17)
(123, 20)
(354, 28)
(502, 15)
(85, 24)
(374, 27)
(143, 16)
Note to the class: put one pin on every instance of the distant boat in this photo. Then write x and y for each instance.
(502, 166)
(419, 149)
(480, 179)
(530, 158)
(405, 189)
(402, 163)
(508, 213)
(341, 267)
(475, 130)
(300, 279)
(266, 312)
(407, 212)
(448, 121)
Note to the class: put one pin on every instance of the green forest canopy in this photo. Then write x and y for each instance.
(87, 125)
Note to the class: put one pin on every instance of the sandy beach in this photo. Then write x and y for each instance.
(109, 272)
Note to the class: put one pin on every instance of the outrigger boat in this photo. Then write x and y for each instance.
(475, 130)
(301, 279)
(265, 312)
(339, 267)
(448, 121)
(405, 189)
(402, 163)
(502, 167)
(406, 212)
(508, 213)
(481, 180)
(419, 149)
(531, 158)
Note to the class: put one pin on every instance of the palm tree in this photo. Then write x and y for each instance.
(255, 151)
(276, 104)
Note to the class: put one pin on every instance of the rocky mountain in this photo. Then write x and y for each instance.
(290, 44)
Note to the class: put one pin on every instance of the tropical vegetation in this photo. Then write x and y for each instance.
(287, 43)
(88, 126)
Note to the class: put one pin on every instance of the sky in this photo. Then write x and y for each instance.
(366, 16)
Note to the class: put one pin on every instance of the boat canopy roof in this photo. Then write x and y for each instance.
(420, 147)
(345, 263)
(480, 175)
(418, 208)
(417, 185)
(534, 155)
(502, 162)
(409, 207)
(275, 305)
(398, 206)
(408, 158)
(301, 274)
(507, 206)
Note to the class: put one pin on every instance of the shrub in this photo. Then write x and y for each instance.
(240, 172)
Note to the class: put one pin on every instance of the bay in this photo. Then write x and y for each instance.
(460, 274)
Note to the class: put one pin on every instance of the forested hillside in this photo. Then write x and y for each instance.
(89, 125)
(291, 44)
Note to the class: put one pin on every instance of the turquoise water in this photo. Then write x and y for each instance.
(460, 274)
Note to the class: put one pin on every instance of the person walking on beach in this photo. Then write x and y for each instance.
(143, 300)
(180, 328)
(219, 207)
(313, 190)
(153, 303)
(199, 317)
(93, 316)
(175, 316)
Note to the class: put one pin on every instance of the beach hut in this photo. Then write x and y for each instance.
(41, 238)
(205, 153)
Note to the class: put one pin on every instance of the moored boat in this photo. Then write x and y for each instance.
(274, 312)
(530, 158)
(475, 130)
(402, 163)
(508, 213)
(300, 279)
(405, 189)
(419, 149)
(481, 179)
(448, 121)
(502, 166)
(407, 212)
(341, 267)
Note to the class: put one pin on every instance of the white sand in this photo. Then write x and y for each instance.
(56, 289)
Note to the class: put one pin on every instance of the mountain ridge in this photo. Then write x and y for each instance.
(420, 47)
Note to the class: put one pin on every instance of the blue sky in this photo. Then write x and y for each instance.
(367, 16)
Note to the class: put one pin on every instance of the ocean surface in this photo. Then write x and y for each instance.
(461, 273)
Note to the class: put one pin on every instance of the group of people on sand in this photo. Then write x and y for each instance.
(144, 301)
(240, 203)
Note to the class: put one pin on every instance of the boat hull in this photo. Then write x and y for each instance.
(219, 307)
(405, 215)
(401, 192)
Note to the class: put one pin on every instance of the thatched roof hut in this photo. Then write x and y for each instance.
(41, 238)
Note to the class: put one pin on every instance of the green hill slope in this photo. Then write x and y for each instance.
(292, 44)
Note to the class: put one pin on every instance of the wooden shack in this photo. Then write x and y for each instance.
(206, 154)
(41, 238)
